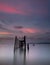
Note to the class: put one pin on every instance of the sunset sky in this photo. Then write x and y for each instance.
(25, 17)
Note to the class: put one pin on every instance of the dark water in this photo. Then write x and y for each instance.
(35, 55)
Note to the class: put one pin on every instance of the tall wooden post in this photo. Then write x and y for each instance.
(25, 43)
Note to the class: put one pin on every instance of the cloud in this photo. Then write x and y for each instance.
(48, 33)
(10, 29)
(4, 22)
(4, 28)
(25, 30)
(4, 31)
(22, 9)
(12, 10)
(9, 9)
(18, 27)
(28, 30)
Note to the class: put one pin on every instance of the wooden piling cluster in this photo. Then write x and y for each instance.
(20, 43)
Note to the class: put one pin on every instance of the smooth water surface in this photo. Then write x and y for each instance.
(35, 55)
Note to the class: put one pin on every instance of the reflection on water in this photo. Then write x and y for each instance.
(34, 54)
(20, 57)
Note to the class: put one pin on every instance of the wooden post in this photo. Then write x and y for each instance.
(15, 43)
(25, 43)
(28, 47)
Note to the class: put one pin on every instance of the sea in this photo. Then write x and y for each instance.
(36, 54)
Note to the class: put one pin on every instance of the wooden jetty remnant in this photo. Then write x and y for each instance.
(20, 43)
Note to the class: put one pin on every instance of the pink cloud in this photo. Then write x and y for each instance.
(18, 27)
(10, 9)
(29, 30)
(21, 9)
(18, 9)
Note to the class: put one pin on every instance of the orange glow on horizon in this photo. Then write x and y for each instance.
(5, 33)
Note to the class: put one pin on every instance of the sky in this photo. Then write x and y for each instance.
(25, 17)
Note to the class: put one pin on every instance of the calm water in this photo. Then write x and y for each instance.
(36, 55)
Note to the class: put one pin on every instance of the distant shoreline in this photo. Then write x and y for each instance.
(40, 43)
(12, 38)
